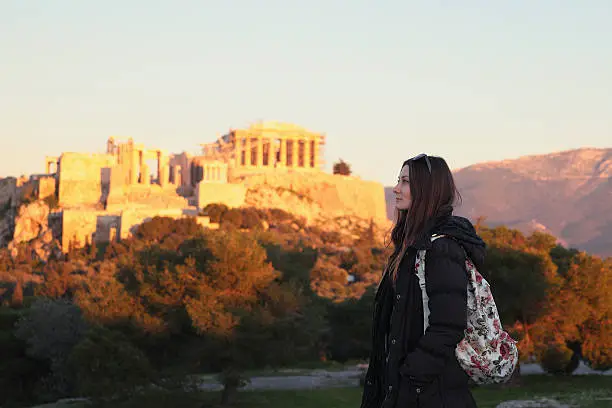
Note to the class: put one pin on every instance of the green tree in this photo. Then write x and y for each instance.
(245, 315)
(586, 291)
(20, 374)
(350, 322)
(107, 365)
(51, 329)
(328, 280)
(343, 168)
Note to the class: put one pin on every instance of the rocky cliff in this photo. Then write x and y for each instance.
(316, 196)
(24, 219)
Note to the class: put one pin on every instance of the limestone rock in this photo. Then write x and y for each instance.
(7, 226)
(315, 195)
(32, 228)
(31, 222)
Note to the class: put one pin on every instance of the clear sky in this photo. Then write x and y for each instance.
(469, 80)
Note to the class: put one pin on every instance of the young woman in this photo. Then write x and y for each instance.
(410, 366)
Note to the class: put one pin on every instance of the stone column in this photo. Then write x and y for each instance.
(178, 178)
(307, 154)
(135, 166)
(315, 154)
(259, 151)
(271, 151)
(294, 152)
(159, 166)
(248, 152)
(164, 173)
(283, 152)
(238, 148)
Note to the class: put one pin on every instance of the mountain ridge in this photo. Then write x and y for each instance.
(566, 193)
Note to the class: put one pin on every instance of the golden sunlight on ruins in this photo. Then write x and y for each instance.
(103, 196)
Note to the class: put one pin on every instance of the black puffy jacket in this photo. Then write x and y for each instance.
(410, 367)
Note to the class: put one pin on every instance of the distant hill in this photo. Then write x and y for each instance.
(568, 194)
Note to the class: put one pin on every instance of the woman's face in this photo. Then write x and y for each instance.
(402, 190)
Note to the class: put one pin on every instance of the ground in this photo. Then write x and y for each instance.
(589, 391)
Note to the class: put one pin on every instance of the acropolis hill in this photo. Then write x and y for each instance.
(103, 196)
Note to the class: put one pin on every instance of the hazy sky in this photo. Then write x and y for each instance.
(469, 80)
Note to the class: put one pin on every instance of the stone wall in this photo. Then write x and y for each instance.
(152, 197)
(108, 228)
(79, 226)
(81, 178)
(317, 194)
(46, 186)
(183, 160)
(232, 195)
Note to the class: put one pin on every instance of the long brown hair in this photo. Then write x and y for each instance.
(433, 193)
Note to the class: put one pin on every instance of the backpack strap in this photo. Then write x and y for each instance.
(420, 273)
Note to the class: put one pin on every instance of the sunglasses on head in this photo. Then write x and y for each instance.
(420, 156)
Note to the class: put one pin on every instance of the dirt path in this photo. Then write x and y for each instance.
(346, 378)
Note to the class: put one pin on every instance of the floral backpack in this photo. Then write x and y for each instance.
(487, 353)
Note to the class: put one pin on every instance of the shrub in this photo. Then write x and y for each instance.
(107, 364)
(597, 348)
(214, 211)
(232, 217)
(19, 374)
(278, 215)
(557, 359)
(52, 202)
(331, 237)
(250, 218)
(51, 329)
(342, 168)
(167, 232)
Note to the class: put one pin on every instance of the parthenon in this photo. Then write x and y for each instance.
(268, 145)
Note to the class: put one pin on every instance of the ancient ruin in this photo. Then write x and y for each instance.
(102, 196)
(268, 146)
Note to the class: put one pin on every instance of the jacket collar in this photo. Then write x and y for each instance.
(433, 225)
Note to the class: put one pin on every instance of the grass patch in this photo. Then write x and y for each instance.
(302, 369)
(581, 391)
(584, 391)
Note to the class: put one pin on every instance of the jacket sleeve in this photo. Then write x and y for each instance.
(446, 284)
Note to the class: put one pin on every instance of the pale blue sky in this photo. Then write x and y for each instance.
(469, 80)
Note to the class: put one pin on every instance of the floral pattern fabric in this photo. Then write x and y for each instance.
(487, 353)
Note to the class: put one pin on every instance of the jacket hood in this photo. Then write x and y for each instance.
(461, 230)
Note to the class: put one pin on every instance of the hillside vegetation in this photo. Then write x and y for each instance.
(264, 290)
